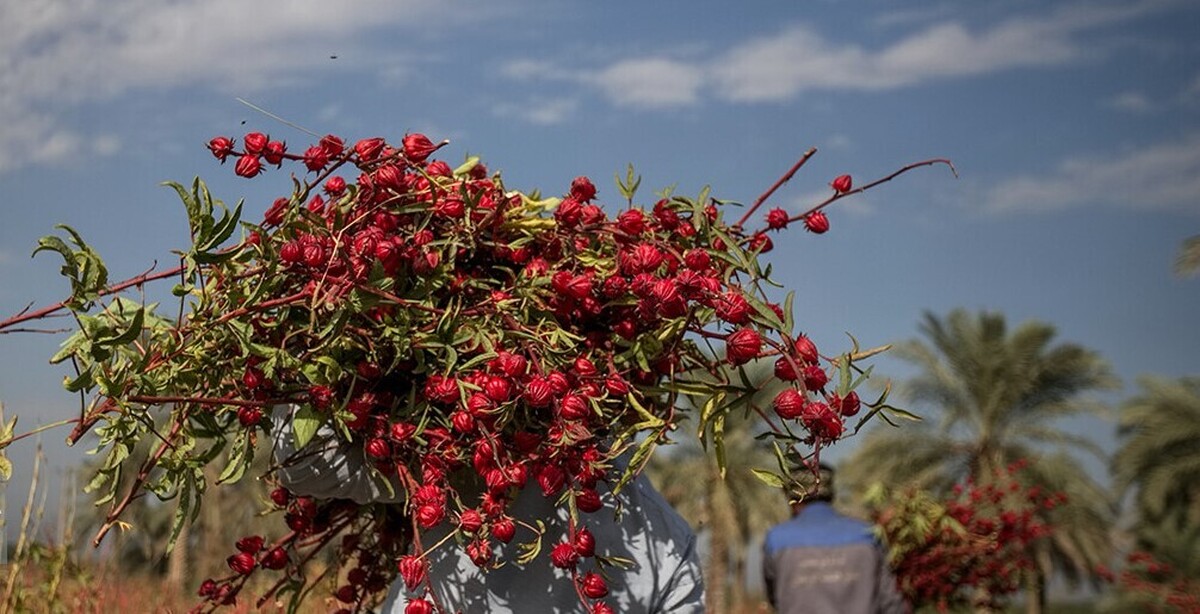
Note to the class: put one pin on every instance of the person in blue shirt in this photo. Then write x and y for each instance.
(822, 561)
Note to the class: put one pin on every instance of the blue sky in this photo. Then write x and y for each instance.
(1075, 127)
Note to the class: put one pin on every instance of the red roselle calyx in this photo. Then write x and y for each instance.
(466, 338)
(842, 184)
(816, 222)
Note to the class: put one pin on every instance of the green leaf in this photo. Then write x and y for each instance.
(82, 381)
(768, 477)
(304, 425)
(135, 329)
(224, 229)
(238, 460)
(6, 468)
(77, 343)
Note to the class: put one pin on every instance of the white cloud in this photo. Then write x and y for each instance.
(1161, 176)
(1133, 102)
(543, 112)
(781, 66)
(651, 82)
(56, 54)
(106, 145)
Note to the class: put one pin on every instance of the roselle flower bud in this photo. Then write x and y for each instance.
(439, 168)
(814, 378)
(504, 529)
(742, 346)
(513, 365)
(564, 556)
(551, 479)
(593, 585)
(452, 208)
(249, 416)
(316, 159)
(585, 543)
(418, 606)
(480, 552)
(784, 369)
(789, 404)
(470, 521)
(761, 243)
(429, 516)
(418, 147)
(582, 189)
(241, 563)
(538, 392)
(248, 166)
(346, 594)
(273, 153)
(616, 386)
(442, 389)
(280, 496)
(207, 588)
(631, 222)
(401, 431)
(849, 405)
(413, 570)
(842, 184)
(332, 145)
(643, 258)
(777, 218)
(221, 147)
(378, 449)
(816, 222)
(733, 308)
(806, 349)
(573, 407)
(626, 329)
(558, 382)
(498, 389)
(320, 396)
(822, 421)
(516, 475)
(666, 217)
(602, 608)
(584, 367)
(335, 186)
(250, 544)
(462, 421)
(368, 149)
(255, 143)
(588, 500)
(569, 213)
(479, 404)
(275, 558)
(696, 259)
(593, 214)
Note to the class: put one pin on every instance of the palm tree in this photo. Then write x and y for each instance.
(1188, 260)
(732, 509)
(1160, 450)
(997, 394)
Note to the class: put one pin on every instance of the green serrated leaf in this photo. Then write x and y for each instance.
(304, 425)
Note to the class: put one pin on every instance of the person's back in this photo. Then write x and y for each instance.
(822, 562)
(664, 574)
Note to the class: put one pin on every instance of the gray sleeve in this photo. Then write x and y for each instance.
(684, 593)
(888, 599)
(328, 468)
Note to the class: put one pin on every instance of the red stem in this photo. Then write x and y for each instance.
(46, 311)
(778, 183)
(840, 195)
